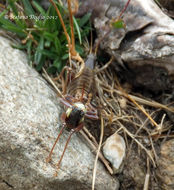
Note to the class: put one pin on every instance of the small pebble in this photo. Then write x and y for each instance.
(114, 151)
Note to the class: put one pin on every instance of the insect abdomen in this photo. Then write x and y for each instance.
(84, 84)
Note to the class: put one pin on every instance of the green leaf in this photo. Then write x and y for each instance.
(78, 30)
(48, 53)
(57, 62)
(50, 36)
(79, 49)
(39, 8)
(60, 66)
(57, 45)
(3, 13)
(13, 28)
(47, 44)
(17, 19)
(5, 21)
(84, 19)
(39, 23)
(29, 51)
(48, 32)
(65, 56)
(52, 25)
(20, 46)
(28, 8)
(20, 23)
(41, 64)
(52, 70)
(118, 24)
(38, 53)
(11, 3)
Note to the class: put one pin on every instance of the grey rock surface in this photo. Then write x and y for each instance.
(166, 165)
(134, 171)
(29, 124)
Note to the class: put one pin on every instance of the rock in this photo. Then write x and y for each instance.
(168, 7)
(166, 165)
(29, 125)
(145, 47)
(114, 150)
(134, 171)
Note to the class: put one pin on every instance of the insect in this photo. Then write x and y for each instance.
(77, 100)
(78, 103)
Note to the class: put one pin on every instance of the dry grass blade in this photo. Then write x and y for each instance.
(90, 136)
(97, 155)
(147, 102)
(140, 107)
(72, 28)
(141, 145)
(48, 78)
(105, 162)
(143, 110)
(146, 183)
(105, 66)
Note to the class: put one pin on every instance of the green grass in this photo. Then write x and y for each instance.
(41, 33)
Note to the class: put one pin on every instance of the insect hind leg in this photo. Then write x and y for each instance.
(49, 156)
(78, 128)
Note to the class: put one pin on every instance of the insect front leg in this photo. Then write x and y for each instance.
(92, 115)
(91, 112)
(66, 76)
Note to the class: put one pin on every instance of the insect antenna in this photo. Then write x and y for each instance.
(73, 51)
(62, 22)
